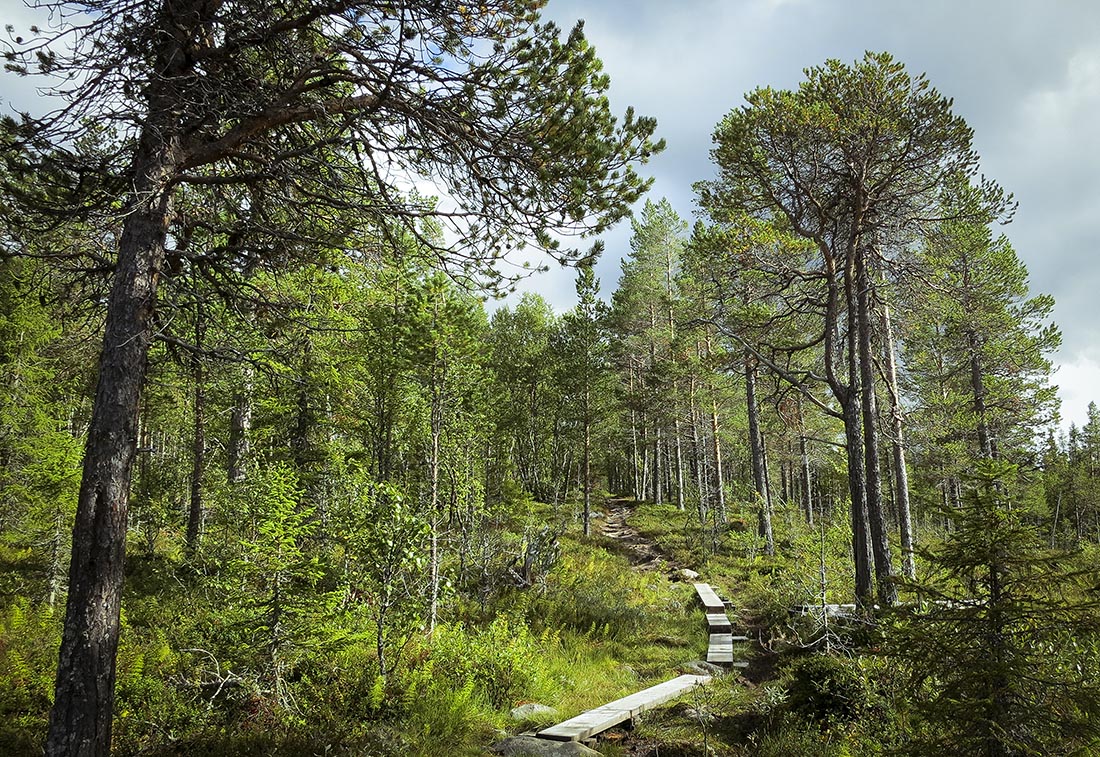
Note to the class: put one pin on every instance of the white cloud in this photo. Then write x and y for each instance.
(1078, 380)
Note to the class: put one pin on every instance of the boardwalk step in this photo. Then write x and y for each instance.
(720, 649)
(719, 622)
(710, 599)
(588, 724)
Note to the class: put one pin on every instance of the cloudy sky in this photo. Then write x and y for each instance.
(1024, 74)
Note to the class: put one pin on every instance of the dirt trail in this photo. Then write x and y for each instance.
(642, 553)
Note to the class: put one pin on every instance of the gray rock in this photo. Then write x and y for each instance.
(533, 711)
(701, 668)
(701, 715)
(529, 746)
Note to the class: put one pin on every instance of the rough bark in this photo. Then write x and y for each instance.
(860, 537)
(80, 720)
(880, 535)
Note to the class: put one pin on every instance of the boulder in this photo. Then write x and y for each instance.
(687, 574)
(530, 746)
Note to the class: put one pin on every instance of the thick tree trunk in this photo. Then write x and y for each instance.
(861, 546)
(756, 449)
(80, 721)
(880, 534)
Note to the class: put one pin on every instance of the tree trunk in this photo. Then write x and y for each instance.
(807, 496)
(977, 385)
(697, 453)
(658, 492)
(80, 721)
(679, 468)
(195, 512)
(586, 463)
(897, 444)
(635, 457)
(880, 534)
(719, 487)
(756, 449)
(240, 425)
(433, 493)
(861, 546)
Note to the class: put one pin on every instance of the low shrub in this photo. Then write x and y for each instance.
(827, 689)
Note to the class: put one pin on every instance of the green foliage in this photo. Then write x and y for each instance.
(504, 662)
(1003, 653)
(29, 636)
(828, 690)
(593, 595)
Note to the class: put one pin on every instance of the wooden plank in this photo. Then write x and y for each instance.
(719, 622)
(720, 649)
(710, 599)
(831, 610)
(588, 724)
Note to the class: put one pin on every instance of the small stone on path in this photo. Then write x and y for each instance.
(534, 711)
(702, 668)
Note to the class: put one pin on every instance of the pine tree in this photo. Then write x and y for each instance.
(1001, 653)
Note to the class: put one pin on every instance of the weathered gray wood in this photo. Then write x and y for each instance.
(598, 720)
(720, 650)
(719, 622)
(831, 610)
(710, 599)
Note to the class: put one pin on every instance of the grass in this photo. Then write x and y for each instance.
(591, 631)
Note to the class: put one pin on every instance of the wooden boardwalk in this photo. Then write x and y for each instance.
(710, 599)
(720, 648)
(588, 724)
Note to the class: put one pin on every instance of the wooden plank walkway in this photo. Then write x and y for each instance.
(588, 724)
(720, 648)
(719, 622)
(710, 599)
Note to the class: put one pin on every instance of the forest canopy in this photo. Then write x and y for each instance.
(299, 490)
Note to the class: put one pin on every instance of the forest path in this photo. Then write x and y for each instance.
(642, 553)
